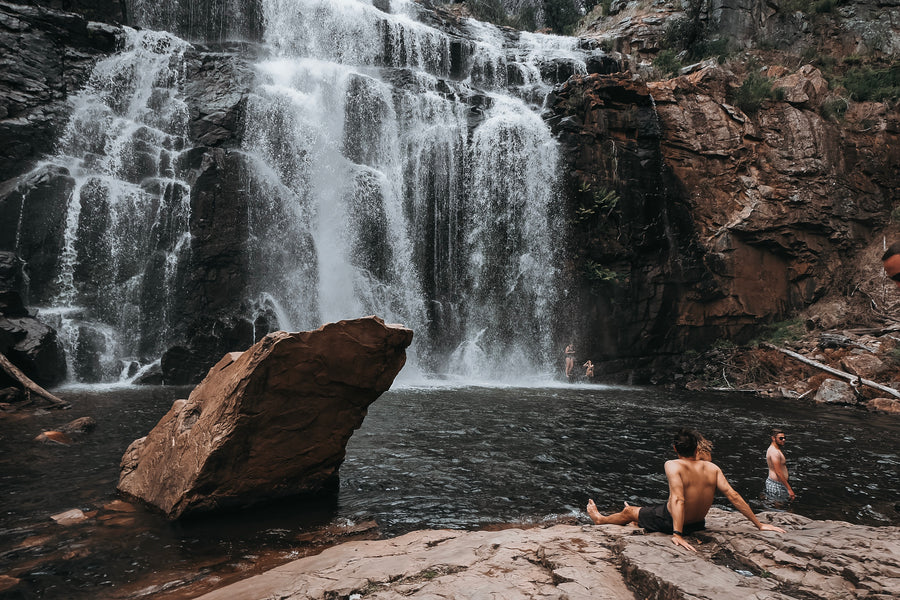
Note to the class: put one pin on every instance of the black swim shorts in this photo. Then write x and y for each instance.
(657, 518)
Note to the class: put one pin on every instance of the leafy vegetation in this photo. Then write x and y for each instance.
(597, 272)
(601, 200)
(755, 89)
(667, 63)
(834, 108)
(493, 11)
(873, 84)
(690, 36)
(561, 16)
(785, 331)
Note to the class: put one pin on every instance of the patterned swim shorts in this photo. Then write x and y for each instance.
(775, 490)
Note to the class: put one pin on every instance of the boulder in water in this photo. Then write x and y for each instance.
(267, 423)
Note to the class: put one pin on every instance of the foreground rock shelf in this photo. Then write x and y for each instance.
(814, 559)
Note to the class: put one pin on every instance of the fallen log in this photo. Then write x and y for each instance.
(30, 387)
(843, 374)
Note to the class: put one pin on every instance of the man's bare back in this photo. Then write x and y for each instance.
(697, 479)
(692, 487)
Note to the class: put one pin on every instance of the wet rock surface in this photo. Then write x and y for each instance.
(814, 559)
(29, 344)
(47, 54)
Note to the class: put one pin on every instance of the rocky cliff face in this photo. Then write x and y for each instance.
(725, 220)
(47, 55)
(722, 220)
(691, 219)
(56, 52)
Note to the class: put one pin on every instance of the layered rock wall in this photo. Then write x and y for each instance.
(725, 220)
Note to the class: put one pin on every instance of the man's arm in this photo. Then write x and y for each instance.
(740, 504)
(779, 467)
(676, 503)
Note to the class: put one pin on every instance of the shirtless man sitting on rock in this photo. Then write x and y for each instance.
(692, 486)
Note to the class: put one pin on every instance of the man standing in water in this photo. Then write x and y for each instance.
(777, 487)
(692, 486)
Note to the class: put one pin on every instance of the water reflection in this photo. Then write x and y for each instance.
(425, 457)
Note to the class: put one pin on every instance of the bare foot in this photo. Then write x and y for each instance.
(593, 513)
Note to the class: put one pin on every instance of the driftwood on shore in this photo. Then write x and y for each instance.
(853, 379)
(30, 387)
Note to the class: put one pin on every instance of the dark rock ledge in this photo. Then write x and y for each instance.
(815, 559)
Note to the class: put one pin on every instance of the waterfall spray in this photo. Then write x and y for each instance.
(393, 168)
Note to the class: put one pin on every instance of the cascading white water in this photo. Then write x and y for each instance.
(127, 213)
(394, 169)
(409, 213)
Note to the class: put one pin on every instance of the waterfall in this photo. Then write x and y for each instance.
(394, 203)
(394, 168)
(126, 225)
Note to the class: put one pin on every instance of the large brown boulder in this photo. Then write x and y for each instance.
(270, 422)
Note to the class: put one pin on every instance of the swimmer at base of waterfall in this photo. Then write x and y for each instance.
(570, 360)
(692, 486)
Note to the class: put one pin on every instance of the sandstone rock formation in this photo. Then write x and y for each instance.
(726, 220)
(825, 560)
(267, 423)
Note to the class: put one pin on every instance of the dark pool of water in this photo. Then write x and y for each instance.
(424, 458)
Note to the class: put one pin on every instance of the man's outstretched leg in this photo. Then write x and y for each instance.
(628, 514)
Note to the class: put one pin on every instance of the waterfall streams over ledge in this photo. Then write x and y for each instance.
(390, 164)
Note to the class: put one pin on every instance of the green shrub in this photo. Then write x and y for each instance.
(493, 11)
(561, 15)
(755, 89)
(681, 33)
(600, 200)
(690, 34)
(667, 63)
(702, 48)
(871, 84)
(599, 273)
(834, 108)
(785, 331)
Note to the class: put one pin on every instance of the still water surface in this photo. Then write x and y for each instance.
(426, 457)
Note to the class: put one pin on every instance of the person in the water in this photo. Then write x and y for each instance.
(778, 488)
(570, 361)
(588, 370)
(692, 486)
